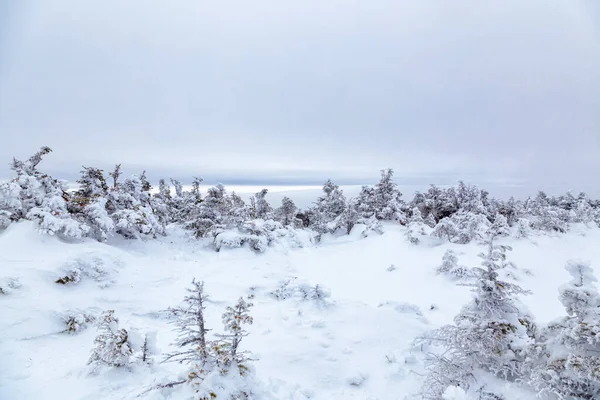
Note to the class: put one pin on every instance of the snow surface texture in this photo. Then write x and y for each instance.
(350, 338)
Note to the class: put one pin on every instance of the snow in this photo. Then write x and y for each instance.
(356, 343)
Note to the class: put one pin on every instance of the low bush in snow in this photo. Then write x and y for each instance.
(97, 267)
(8, 285)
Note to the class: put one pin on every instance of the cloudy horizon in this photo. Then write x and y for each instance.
(498, 93)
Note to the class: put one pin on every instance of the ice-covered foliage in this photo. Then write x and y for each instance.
(76, 321)
(227, 347)
(190, 323)
(131, 208)
(219, 368)
(100, 268)
(328, 208)
(9, 285)
(111, 346)
(259, 235)
(286, 213)
(90, 204)
(291, 289)
(100, 209)
(488, 335)
(566, 360)
(260, 206)
(387, 200)
(416, 228)
(451, 268)
(499, 227)
(39, 197)
(462, 227)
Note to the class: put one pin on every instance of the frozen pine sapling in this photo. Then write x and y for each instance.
(191, 327)
(212, 362)
(450, 266)
(227, 348)
(286, 213)
(112, 347)
(489, 334)
(566, 361)
(260, 206)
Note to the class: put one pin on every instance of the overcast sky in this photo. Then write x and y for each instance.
(298, 91)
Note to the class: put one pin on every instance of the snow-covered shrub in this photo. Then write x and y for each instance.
(286, 213)
(8, 285)
(566, 361)
(258, 235)
(450, 266)
(111, 346)
(328, 208)
(130, 205)
(369, 226)
(387, 200)
(218, 369)
(77, 321)
(317, 294)
(462, 227)
(284, 291)
(89, 204)
(523, 229)
(99, 268)
(288, 289)
(499, 227)
(143, 345)
(416, 228)
(489, 334)
(260, 207)
(227, 348)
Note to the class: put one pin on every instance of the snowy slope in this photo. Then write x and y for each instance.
(357, 344)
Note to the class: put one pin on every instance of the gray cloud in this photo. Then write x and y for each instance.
(298, 91)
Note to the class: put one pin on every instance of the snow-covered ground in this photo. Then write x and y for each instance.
(357, 344)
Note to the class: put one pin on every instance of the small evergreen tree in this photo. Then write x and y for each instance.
(567, 358)
(451, 267)
(489, 334)
(112, 346)
(227, 349)
(260, 206)
(387, 198)
(328, 208)
(191, 326)
(286, 213)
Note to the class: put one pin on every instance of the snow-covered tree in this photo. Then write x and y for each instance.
(328, 208)
(193, 347)
(568, 355)
(387, 198)
(185, 203)
(365, 202)
(348, 218)
(227, 348)
(499, 227)
(260, 206)
(470, 199)
(210, 214)
(286, 213)
(89, 203)
(451, 267)
(41, 198)
(112, 347)
(446, 229)
(462, 227)
(130, 207)
(238, 211)
(416, 227)
(489, 335)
